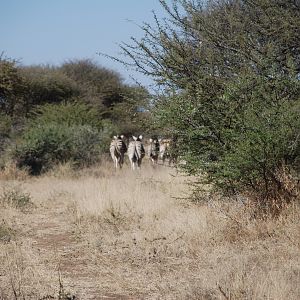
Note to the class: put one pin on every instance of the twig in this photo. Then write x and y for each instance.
(179, 237)
(223, 293)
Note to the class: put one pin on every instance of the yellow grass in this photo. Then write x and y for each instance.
(133, 235)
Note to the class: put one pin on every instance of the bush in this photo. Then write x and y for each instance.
(5, 129)
(67, 114)
(45, 84)
(247, 142)
(49, 144)
(60, 133)
(11, 87)
(231, 92)
(262, 155)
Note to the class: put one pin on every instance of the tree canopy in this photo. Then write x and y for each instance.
(231, 92)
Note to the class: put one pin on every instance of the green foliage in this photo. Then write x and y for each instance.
(45, 84)
(68, 114)
(60, 133)
(11, 87)
(131, 115)
(5, 125)
(5, 129)
(104, 90)
(56, 114)
(98, 86)
(230, 73)
(46, 145)
(77, 93)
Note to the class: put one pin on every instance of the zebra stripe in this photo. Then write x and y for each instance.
(136, 152)
(153, 150)
(117, 150)
(167, 151)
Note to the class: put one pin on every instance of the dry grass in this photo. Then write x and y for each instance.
(133, 234)
(11, 172)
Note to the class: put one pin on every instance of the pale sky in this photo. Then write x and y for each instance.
(53, 31)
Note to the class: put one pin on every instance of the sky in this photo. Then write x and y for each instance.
(54, 31)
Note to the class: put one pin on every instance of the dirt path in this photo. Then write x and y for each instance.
(54, 241)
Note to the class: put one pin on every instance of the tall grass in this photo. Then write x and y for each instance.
(135, 233)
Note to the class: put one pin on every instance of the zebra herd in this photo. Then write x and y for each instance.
(155, 148)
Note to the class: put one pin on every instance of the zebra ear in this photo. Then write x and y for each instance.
(140, 137)
(115, 137)
(150, 140)
(122, 136)
(134, 137)
(159, 140)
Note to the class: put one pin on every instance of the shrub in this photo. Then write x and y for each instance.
(46, 84)
(5, 130)
(231, 92)
(68, 114)
(58, 134)
(49, 144)
(247, 142)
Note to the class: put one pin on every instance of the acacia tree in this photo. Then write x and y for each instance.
(230, 72)
(12, 87)
(99, 86)
(105, 90)
(46, 84)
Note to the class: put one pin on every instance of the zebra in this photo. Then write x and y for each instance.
(136, 152)
(167, 150)
(117, 150)
(153, 150)
(164, 149)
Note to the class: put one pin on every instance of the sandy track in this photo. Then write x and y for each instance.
(59, 249)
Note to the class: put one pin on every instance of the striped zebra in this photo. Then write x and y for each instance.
(136, 152)
(117, 150)
(164, 149)
(153, 150)
(167, 151)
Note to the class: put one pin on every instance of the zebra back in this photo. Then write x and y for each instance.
(136, 149)
(153, 149)
(164, 148)
(117, 146)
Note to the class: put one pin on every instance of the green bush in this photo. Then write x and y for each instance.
(230, 92)
(46, 145)
(265, 144)
(60, 133)
(45, 84)
(5, 129)
(247, 142)
(67, 114)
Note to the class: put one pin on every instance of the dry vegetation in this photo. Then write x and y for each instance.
(100, 234)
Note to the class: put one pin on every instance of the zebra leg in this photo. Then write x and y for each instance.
(132, 164)
(152, 160)
(116, 163)
(121, 162)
